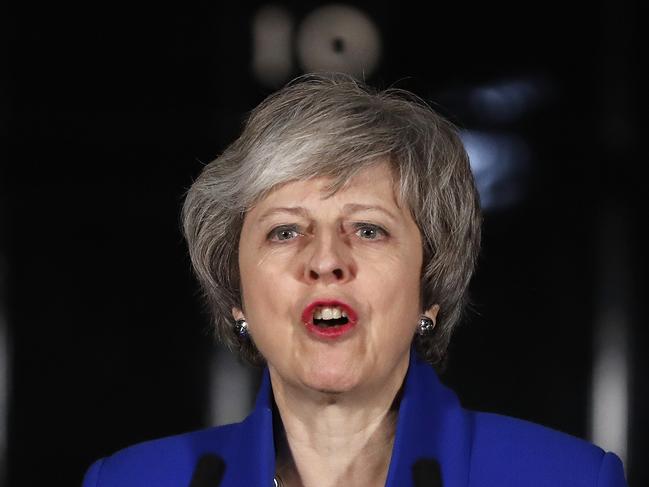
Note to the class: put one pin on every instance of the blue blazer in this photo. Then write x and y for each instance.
(437, 443)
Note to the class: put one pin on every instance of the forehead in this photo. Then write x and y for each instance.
(374, 184)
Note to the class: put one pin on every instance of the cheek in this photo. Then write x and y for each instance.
(401, 297)
(396, 291)
(252, 267)
(401, 269)
(255, 283)
(266, 289)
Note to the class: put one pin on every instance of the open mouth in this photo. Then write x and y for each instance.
(329, 319)
(329, 316)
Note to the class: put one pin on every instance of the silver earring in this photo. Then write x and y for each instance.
(241, 329)
(426, 326)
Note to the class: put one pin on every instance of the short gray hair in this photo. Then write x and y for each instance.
(334, 126)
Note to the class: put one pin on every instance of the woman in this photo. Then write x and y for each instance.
(334, 241)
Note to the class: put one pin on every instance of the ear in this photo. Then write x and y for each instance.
(237, 314)
(432, 312)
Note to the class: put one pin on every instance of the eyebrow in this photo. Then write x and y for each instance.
(291, 210)
(348, 209)
(356, 208)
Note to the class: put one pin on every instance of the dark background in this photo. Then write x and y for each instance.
(110, 111)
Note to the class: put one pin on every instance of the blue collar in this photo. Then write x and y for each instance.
(431, 426)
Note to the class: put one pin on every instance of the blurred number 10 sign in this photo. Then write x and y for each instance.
(331, 38)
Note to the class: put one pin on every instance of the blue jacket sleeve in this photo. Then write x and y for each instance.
(611, 472)
(91, 479)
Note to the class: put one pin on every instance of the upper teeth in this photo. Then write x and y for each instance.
(329, 313)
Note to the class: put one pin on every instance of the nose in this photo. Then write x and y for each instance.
(329, 260)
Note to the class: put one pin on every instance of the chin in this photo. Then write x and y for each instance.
(332, 380)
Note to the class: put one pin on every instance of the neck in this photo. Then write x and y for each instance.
(325, 439)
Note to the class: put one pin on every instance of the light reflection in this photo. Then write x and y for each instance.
(506, 101)
(500, 164)
(609, 425)
(231, 388)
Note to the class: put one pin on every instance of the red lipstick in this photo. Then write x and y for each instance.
(330, 332)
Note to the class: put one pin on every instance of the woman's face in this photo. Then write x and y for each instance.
(331, 284)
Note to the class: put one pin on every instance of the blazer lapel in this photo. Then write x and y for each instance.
(434, 433)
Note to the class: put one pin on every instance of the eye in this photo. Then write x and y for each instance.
(369, 231)
(283, 233)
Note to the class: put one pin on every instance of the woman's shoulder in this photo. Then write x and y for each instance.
(539, 454)
(168, 461)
